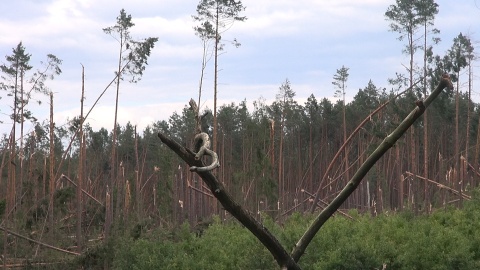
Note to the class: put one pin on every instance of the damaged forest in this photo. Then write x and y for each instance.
(73, 197)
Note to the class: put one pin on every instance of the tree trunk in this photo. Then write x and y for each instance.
(347, 165)
(413, 151)
(280, 169)
(425, 124)
(79, 193)
(113, 161)
(138, 195)
(467, 144)
(215, 84)
(11, 182)
(21, 153)
(52, 166)
(477, 150)
(457, 180)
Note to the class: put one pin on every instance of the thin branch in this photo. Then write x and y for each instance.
(326, 203)
(28, 265)
(472, 168)
(148, 179)
(37, 242)
(200, 191)
(456, 192)
(84, 191)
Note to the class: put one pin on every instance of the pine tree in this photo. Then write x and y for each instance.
(407, 17)
(216, 17)
(458, 56)
(340, 82)
(132, 59)
(19, 64)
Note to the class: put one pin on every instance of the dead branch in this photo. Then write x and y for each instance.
(200, 191)
(472, 168)
(38, 242)
(456, 192)
(202, 143)
(30, 264)
(326, 203)
(84, 191)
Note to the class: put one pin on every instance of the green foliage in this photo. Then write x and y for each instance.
(134, 54)
(448, 239)
(19, 61)
(19, 83)
(183, 249)
(219, 239)
(408, 15)
(36, 214)
(340, 82)
(3, 204)
(459, 55)
(62, 197)
(216, 16)
(95, 258)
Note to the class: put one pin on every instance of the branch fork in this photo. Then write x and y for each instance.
(202, 148)
(202, 143)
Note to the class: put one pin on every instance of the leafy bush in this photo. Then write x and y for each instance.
(447, 239)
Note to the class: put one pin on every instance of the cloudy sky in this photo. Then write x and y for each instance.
(303, 40)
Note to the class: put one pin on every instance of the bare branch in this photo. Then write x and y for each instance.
(37, 242)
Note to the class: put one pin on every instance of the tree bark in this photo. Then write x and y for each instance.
(52, 166)
(79, 188)
(457, 180)
(215, 83)
(426, 200)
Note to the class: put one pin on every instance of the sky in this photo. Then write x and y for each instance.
(304, 41)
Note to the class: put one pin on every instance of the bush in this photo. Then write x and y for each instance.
(447, 239)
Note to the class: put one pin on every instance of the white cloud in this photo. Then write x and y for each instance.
(180, 28)
(303, 40)
(140, 116)
(304, 17)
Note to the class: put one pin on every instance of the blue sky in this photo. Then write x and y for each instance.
(304, 41)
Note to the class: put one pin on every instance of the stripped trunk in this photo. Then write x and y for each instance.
(81, 161)
(52, 166)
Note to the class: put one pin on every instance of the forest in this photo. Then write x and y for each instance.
(72, 197)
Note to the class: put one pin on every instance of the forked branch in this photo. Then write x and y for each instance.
(229, 204)
(201, 142)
